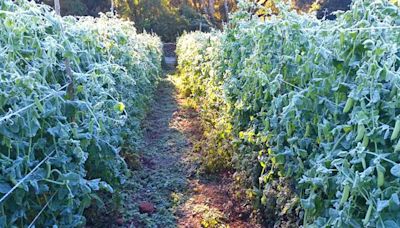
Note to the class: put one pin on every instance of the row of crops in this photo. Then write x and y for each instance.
(72, 94)
(308, 110)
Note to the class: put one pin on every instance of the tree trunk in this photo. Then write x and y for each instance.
(226, 7)
(57, 7)
(131, 5)
(204, 6)
(112, 7)
(211, 11)
(132, 9)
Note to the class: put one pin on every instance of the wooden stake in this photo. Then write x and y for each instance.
(57, 7)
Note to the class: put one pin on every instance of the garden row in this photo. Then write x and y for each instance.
(72, 94)
(307, 111)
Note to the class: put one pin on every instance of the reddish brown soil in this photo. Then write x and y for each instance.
(166, 189)
(215, 196)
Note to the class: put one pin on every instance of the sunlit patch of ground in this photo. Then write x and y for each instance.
(167, 177)
(211, 203)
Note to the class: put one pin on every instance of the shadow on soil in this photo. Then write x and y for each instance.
(165, 190)
(161, 180)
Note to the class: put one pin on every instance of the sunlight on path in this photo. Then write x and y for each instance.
(166, 190)
(162, 176)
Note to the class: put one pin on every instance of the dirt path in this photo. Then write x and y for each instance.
(166, 191)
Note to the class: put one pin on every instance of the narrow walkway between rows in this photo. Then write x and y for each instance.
(166, 190)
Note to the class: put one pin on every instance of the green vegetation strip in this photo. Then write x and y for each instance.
(61, 140)
(307, 110)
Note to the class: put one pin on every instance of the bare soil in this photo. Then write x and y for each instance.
(167, 190)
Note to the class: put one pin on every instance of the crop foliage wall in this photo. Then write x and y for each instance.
(72, 94)
(316, 102)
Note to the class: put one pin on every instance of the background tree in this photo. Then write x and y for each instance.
(81, 7)
(323, 8)
(226, 7)
(169, 18)
(211, 11)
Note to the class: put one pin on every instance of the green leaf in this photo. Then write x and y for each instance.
(73, 177)
(391, 224)
(395, 199)
(4, 187)
(382, 204)
(395, 170)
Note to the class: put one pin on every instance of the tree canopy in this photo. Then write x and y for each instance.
(169, 18)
